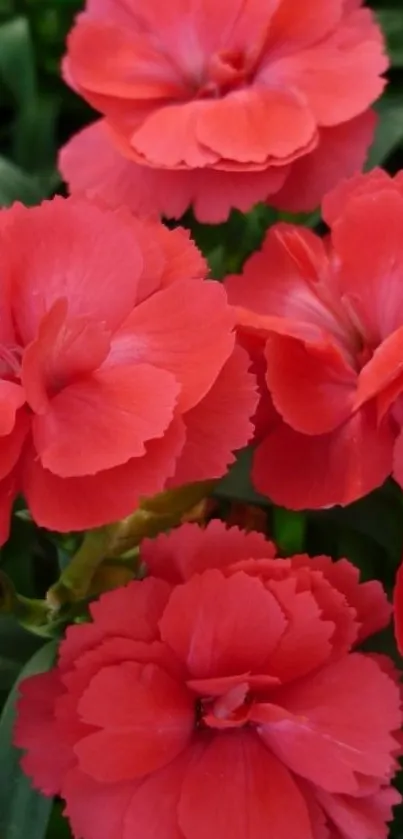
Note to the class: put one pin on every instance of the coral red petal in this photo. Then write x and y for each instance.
(161, 331)
(170, 137)
(324, 80)
(193, 625)
(368, 600)
(153, 811)
(48, 759)
(326, 384)
(363, 183)
(12, 397)
(125, 65)
(383, 374)
(220, 424)
(295, 26)
(65, 504)
(341, 151)
(246, 788)
(96, 811)
(65, 349)
(102, 421)
(301, 472)
(146, 719)
(90, 162)
(9, 489)
(189, 550)
(306, 642)
(74, 249)
(132, 612)
(270, 124)
(283, 279)
(370, 275)
(11, 444)
(322, 730)
(358, 818)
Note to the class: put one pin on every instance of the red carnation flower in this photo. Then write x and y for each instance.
(117, 364)
(222, 104)
(220, 697)
(323, 322)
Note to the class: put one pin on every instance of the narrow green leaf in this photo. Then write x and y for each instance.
(34, 136)
(391, 21)
(16, 185)
(389, 133)
(237, 484)
(289, 530)
(17, 60)
(23, 812)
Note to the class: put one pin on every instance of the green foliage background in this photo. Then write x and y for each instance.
(38, 114)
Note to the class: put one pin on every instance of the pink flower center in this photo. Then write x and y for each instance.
(227, 70)
(10, 362)
(228, 711)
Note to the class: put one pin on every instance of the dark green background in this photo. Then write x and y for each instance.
(37, 114)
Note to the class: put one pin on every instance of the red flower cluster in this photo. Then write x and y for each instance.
(117, 364)
(220, 697)
(323, 322)
(222, 103)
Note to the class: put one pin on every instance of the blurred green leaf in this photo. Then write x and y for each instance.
(391, 21)
(23, 812)
(17, 185)
(389, 133)
(17, 60)
(289, 529)
(34, 136)
(58, 827)
(237, 484)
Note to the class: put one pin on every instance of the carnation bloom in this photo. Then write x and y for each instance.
(222, 103)
(220, 697)
(323, 322)
(117, 364)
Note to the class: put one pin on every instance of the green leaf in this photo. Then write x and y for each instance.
(237, 484)
(389, 133)
(289, 529)
(34, 136)
(391, 21)
(17, 60)
(58, 827)
(23, 812)
(16, 185)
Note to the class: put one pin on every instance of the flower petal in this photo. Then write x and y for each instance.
(75, 249)
(102, 421)
(326, 384)
(302, 471)
(323, 731)
(36, 730)
(65, 504)
(146, 720)
(161, 331)
(193, 625)
(65, 349)
(271, 124)
(340, 153)
(132, 612)
(220, 424)
(12, 397)
(189, 550)
(247, 790)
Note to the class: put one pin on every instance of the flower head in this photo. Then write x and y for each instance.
(323, 321)
(222, 104)
(220, 697)
(117, 364)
